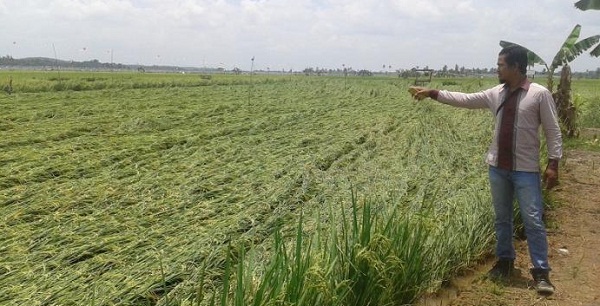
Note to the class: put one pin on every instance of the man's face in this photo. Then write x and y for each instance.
(505, 72)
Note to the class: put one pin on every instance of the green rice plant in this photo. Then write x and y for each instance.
(35, 81)
(588, 110)
(588, 103)
(95, 183)
(384, 258)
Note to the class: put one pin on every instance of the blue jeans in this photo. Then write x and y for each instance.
(527, 188)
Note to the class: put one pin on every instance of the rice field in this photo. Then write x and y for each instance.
(167, 189)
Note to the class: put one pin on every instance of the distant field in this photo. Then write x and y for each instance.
(587, 99)
(130, 189)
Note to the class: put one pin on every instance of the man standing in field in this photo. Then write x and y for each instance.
(519, 107)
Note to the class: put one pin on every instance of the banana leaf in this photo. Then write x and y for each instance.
(582, 46)
(532, 58)
(596, 51)
(572, 48)
(585, 5)
(561, 56)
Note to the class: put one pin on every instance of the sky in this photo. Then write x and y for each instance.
(291, 34)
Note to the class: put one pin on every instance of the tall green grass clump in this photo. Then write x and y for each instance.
(378, 255)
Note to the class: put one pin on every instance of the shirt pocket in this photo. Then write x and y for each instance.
(528, 116)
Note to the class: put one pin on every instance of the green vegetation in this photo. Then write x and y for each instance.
(585, 5)
(569, 51)
(237, 190)
(53, 81)
(586, 98)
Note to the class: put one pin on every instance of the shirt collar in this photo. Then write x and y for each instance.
(524, 85)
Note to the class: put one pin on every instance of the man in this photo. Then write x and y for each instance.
(520, 108)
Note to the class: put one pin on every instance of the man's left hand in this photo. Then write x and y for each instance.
(550, 178)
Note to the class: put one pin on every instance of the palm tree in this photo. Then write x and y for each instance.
(570, 50)
(585, 5)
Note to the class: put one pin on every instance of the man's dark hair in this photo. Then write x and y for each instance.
(516, 55)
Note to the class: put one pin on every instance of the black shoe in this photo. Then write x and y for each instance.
(541, 281)
(502, 269)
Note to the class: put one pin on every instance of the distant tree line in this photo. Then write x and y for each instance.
(588, 74)
(445, 71)
(49, 63)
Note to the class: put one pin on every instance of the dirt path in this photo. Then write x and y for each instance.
(574, 241)
(577, 274)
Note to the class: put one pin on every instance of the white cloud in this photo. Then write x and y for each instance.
(3, 8)
(78, 10)
(285, 34)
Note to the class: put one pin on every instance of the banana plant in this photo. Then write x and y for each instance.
(585, 5)
(569, 50)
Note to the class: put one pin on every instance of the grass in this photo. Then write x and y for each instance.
(587, 100)
(270, 190)
(51, 81)
(387, 257)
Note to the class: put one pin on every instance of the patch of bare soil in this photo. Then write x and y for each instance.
(574, 249)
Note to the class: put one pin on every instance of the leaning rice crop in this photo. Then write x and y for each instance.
(314, 190)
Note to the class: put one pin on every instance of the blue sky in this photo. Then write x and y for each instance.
(291, 34)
